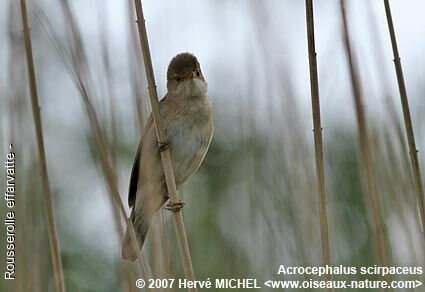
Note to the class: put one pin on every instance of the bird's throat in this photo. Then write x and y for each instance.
(194, 87)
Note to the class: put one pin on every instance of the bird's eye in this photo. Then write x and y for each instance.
(178, 79)
(198, 73)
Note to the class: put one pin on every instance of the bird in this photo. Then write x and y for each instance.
(186, 116)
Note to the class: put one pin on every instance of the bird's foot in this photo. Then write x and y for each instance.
(175, 206)
(163, 145)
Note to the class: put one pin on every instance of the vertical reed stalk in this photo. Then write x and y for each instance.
(165, 155)
(137, 79)
(318, 145)
(53, 239)
(417, 178)
(141, 103)
(379, 228)
(77, 66)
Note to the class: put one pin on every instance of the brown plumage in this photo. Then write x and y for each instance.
(186, 115)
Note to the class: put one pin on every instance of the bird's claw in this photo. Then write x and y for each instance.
(175, 206)
(164, 145)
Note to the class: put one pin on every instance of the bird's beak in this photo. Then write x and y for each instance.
(190, 76)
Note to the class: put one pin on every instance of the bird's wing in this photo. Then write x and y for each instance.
(134, 177)
(135, 172)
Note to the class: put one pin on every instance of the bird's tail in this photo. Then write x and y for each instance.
(141, 226)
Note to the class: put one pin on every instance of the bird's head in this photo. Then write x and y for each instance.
(184, 76)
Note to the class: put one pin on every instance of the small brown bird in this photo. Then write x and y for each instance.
(186, 115)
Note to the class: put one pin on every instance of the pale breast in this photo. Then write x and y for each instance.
(189, 143)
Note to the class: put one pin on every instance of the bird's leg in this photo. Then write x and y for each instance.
(175, 206)
(163, 145)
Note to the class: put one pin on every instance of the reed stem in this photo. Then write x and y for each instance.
(318, 143)
(79, 68)
(165, 155)
(417, 177)
(379, 229)
(53, 238)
